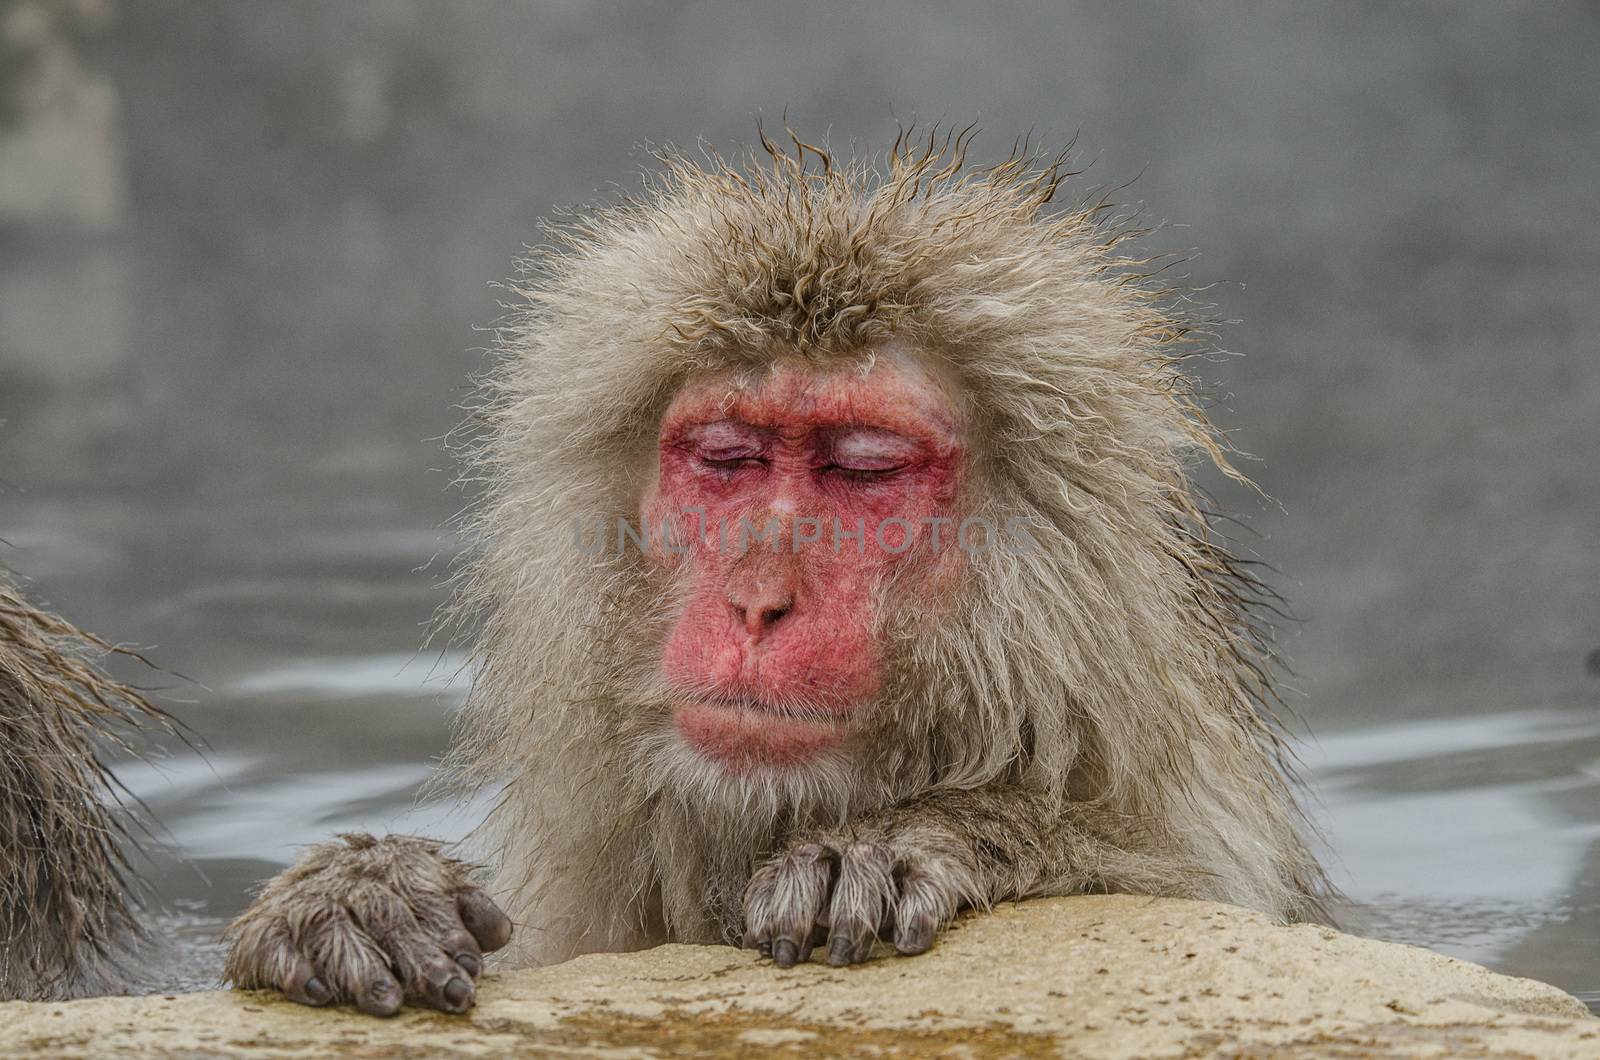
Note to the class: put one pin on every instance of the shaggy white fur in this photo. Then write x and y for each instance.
(1113, 677)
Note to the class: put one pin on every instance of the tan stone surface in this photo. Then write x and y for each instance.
(1097, 976)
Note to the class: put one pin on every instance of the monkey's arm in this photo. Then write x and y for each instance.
(68, 897)
(902, 873)
(370, 922)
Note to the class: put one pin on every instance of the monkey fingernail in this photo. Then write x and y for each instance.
(839, 950)
(382, 998)
(785, 953)
(458, 994)
(317, 992)
(914, 940)
(469, 964)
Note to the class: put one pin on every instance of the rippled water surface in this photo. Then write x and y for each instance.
(239, 280)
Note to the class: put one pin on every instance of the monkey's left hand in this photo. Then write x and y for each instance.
(901, 884)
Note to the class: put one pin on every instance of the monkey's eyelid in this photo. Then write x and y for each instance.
(730, 463)
(723, 456)
(864, 473)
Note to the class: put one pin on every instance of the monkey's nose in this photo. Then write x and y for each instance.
(758, 617)
(762, 589)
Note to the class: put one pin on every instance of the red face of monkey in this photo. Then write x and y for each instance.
(794, 498)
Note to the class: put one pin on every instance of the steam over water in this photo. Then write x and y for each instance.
(243, 247)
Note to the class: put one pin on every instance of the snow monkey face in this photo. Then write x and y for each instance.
(794, 495)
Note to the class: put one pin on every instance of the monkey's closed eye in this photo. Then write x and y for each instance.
(862, 474)
(731, 463)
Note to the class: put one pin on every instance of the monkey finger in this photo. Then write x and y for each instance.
(263, 954)
(786, 897)
(919, 913)
(861, 902)
(378, 996)
(427, 973)
(817, 936)
(843, 945)
(439, 917)
(915, 934)
(352, 964)
(757, 908)
(851, 939)
(303, 984)
(436, 978)
(463, 949)
(490, 926)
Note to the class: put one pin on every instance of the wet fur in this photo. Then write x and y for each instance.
(1094, 715)
(68, 907)
(364, 921)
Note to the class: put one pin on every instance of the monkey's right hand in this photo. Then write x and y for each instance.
(369, 922)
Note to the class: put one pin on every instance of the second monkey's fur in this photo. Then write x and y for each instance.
(68, 903)
(1115, 674)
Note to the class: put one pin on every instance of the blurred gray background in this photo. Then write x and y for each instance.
(244, 248)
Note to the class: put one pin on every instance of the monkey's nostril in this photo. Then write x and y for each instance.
(761, 619)
(758, 619)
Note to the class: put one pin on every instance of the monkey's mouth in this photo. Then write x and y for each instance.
(746, 735)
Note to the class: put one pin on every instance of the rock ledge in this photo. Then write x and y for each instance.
(1110, 976)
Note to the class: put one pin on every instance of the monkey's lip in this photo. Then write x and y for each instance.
(747, 735)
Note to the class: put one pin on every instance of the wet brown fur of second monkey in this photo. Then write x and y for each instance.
(1093, 716)
(68, 904)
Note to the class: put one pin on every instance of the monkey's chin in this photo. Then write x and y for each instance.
(748, 738)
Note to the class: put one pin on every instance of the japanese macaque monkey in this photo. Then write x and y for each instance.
(908, 608)
(67, 902)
